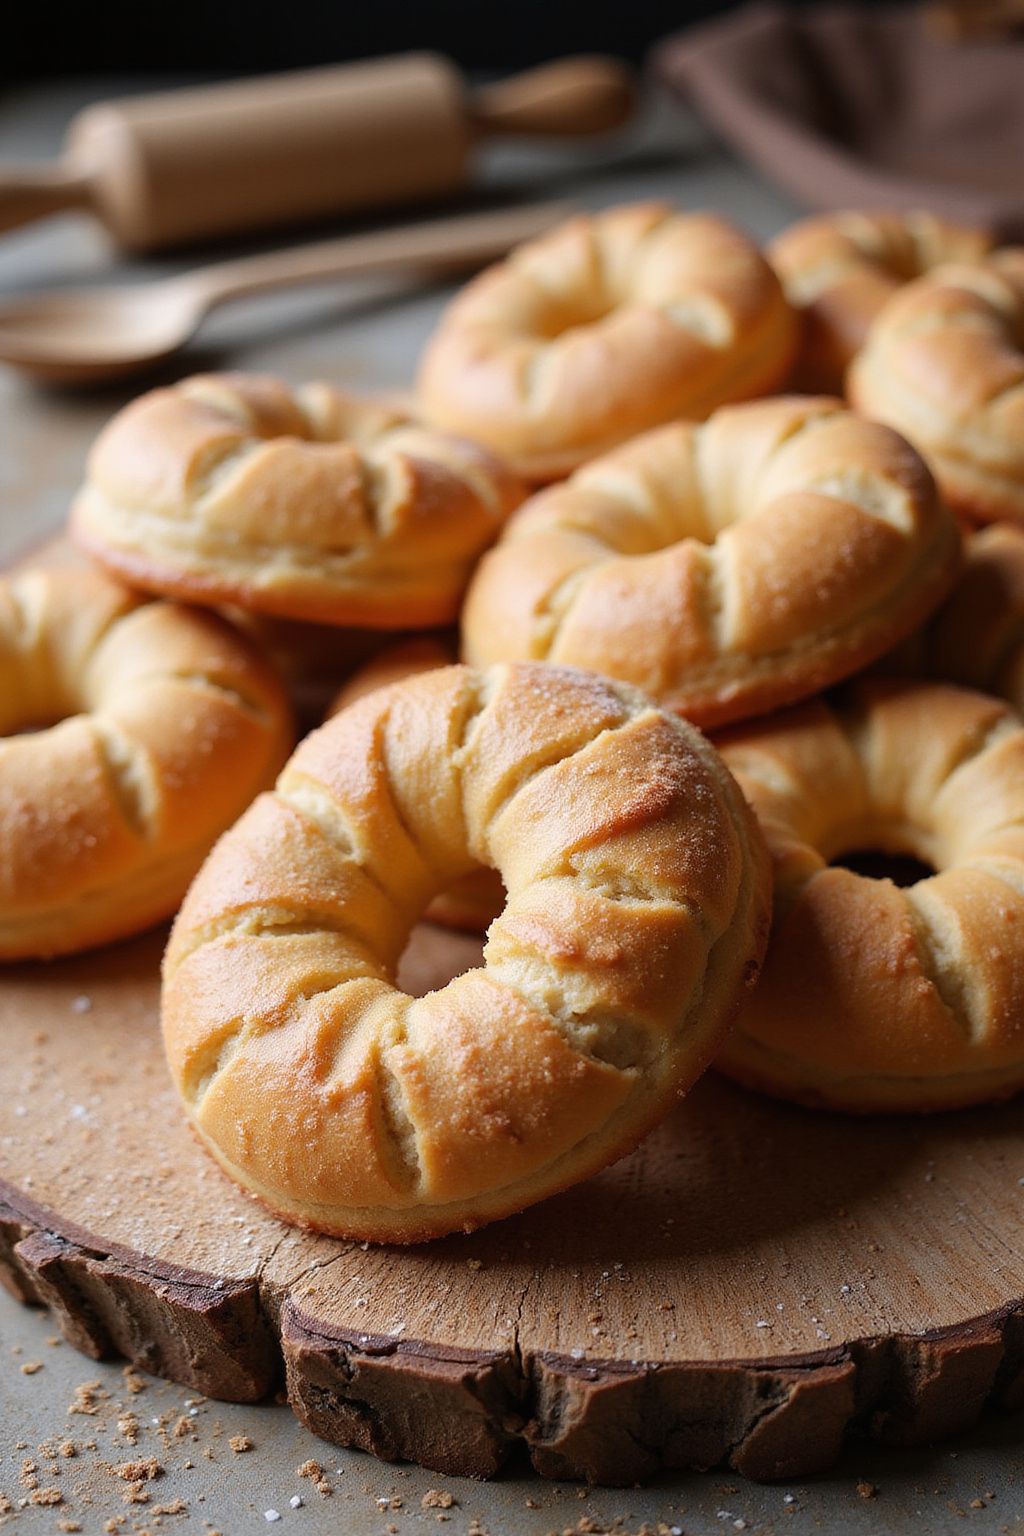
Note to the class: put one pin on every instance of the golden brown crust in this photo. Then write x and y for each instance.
(839, 269)
(613, 323)
(308, 504)
(873, 996)
(727, 568)
(638, 896)
(169, 725)
(944, 364)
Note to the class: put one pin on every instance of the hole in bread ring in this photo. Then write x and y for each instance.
(308, 504)
(637, 898)
(876, 996)
(944, 364)
(611, 324)
(169, 723)
(725, 568)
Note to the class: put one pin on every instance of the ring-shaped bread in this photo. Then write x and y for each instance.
(839, 269)
(875, 996)
(944, 364)
(726, 568)
(638, 901)
(309, 504)
(168, 724)
(612, 323)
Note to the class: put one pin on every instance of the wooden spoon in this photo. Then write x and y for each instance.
(84, 335)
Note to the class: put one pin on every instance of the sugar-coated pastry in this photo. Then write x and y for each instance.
(839, 269)
(612, 323)
(638, 899)
(131, 734)
(876, 996)
(944, 365)
(726, 568)
(305, 503)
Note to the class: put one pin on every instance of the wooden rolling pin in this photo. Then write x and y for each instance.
(191, 164)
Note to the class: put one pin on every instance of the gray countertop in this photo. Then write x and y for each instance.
(368, 336)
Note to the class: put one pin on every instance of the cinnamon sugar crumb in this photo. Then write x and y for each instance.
(866, 1490)
(142, 1470)
(437, 1498)
(87, 1398)
(46, 1496)
(315, 1472)
(240, 1444)
(30, 1367)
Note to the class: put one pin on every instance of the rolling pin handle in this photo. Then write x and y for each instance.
(569, 98)
(29, 192)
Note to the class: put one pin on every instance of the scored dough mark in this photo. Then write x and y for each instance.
(130, 775)
(267, 922)
(942, 963)
(222, 463)
(553, 613)
(533, 769)
(400, 1136)
(703, 318)
(211, 1063)
(885, 500)
(203, 681)
(320, 811)
(314, 804)
(983, 739)
(28, 606)
(591, 1031)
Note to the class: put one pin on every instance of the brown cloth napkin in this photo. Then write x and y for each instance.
(848, 108)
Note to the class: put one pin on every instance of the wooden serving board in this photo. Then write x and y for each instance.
(750, 1286)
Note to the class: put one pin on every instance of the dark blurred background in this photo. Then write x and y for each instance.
(232, 36)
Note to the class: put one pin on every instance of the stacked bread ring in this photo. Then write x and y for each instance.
(307, 503)
(134, 733)
(695, 558)
(725, 568)
(607, 326)
(944, 363)
(636, 914)
(839, 270)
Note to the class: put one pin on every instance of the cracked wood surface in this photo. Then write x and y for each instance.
(752, 1285)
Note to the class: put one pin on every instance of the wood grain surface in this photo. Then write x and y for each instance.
(752, 1285)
